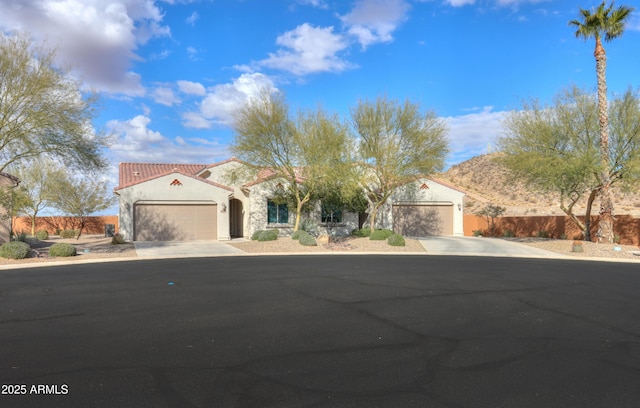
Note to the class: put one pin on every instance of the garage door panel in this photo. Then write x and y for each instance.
(415, 220)
(175, 222)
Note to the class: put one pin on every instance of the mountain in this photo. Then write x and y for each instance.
(487, 182)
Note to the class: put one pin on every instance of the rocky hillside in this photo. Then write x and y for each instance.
(487, 182)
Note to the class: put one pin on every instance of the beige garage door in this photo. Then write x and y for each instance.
(175, 222)
(422, 220)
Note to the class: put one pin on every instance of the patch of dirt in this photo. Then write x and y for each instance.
(589, 249)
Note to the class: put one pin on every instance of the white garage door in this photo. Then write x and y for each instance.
(422, 220)
(175, 222)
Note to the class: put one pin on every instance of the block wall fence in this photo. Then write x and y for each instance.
(626, 227)
(94, 225)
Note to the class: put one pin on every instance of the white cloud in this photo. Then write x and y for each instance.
(374, 21)
(165, 96)
(191, 88)
(98, 38)
(222, 100)
(308, 49)
(191, 20)
(193, 53)
(460, 3)
(473, 133)
(313, 3)
(136, 142)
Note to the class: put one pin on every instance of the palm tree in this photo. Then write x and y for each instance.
(608, 22)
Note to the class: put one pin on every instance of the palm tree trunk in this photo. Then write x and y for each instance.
(606, 203)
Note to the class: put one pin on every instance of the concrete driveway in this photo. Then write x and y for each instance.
(183, 249)
(478, 246)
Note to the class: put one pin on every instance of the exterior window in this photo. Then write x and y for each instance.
(277, 213)
(331, 213)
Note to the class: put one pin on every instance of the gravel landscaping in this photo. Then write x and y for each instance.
(99, 247)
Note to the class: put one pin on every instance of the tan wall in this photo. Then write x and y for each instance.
(95, 225)
(626, 227)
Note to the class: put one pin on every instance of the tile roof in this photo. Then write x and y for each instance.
(135, 173)
(10, 177)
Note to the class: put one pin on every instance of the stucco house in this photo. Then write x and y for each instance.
(165, 202)
(7, 182)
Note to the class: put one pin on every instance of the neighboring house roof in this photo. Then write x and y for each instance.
(10, 177)
(136, 173)
(270, 174)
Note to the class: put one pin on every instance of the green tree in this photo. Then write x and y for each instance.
(555, 148)
(81, 198)
(604, 22)
(42, 110)
(490, 212)
(36, 189)
(306, 152)
(396, 144)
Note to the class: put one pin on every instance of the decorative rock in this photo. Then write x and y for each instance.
(324, 239)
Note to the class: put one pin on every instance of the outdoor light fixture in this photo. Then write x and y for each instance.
(224, 208)
(459, 207)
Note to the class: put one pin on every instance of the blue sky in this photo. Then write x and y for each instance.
(170, 72)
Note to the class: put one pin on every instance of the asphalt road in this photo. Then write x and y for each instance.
(322, 331)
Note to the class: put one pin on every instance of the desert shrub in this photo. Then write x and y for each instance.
(42, 234)
(268, 235)
(62, 249)
(15, 250)
(508, 234)
(365, 232)
(68, 233)
(117, 239)
(296, 234)
(542, 234)
(21, 236)
(307, 240)
(396, 240)
(380, 235)
(256, 234)
(477, 233)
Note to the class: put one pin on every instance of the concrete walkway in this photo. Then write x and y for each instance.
(183, 249)
(478, 246)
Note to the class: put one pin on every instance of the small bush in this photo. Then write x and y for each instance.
(42, 234)
(380, 235)
(296, 234)
(542, 234)
(68, 233)
(396, 240)
(22, 236)
(15, 250)
(256, 234)
(477, 233)
(117, 239)
(365, 232)
(268, 235)
(62, 249)
(508, 234)
(307, 240)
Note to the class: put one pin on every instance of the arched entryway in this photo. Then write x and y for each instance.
(236, 227)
